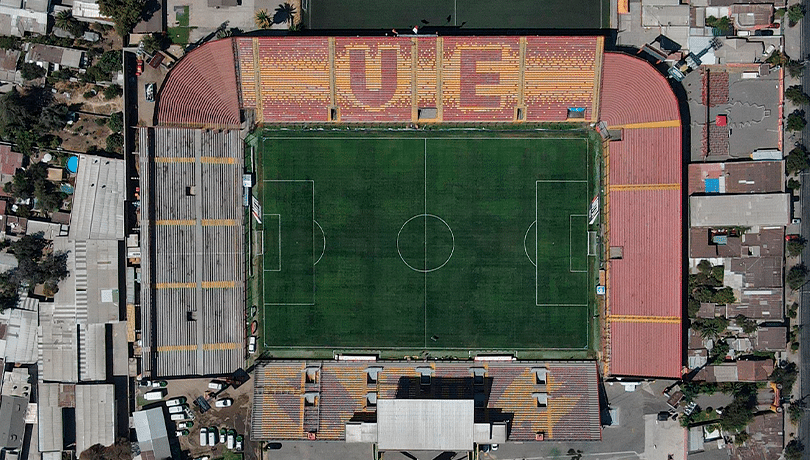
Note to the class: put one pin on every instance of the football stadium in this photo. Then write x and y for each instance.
(460, 202)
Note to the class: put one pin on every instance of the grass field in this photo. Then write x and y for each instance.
(411, 243)
(469, 14)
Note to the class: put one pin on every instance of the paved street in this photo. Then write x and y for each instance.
(804, 311)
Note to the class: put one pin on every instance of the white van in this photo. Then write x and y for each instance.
(154, 395)
(252, 344)
(177, 410)
(177, 417)
(203, 436)
(214, 385)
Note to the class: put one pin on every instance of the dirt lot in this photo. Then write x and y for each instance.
(236, 417)
(86, 131)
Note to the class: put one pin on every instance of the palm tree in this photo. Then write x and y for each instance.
(284, 13)
(63, 19)
(263, 20)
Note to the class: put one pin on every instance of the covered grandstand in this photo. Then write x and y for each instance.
(539, 400)
(192, 287)
(474, 80)
(643, 216)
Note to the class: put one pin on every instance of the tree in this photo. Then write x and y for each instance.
(796, 160)
(65, 21)
(719, 352)
(796, 121)
(793, 450)
(33, 183)
(152, 43)
(115, 143)
(796, 246)
(284, 13)
(710, 327)
(785, 376)
(119, 451)
(704, 266)
(8, 42)
(262, 19)
(795, 411)
(737, 415)
(724, 296)
(795, 13)
(125, 13)
(722, 24)
(796, 276)
(795, 68)
(54, 117)
(113, 91)
(749, 326)
(116, 122)
(793, 184)
(31, 71)
(36, 264)
(796, 95)
(777, 58)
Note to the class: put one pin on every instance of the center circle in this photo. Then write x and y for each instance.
(425, 243)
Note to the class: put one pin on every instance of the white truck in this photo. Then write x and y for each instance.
(154, 395)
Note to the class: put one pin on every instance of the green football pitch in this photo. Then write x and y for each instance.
(451, 243)
(461, 14)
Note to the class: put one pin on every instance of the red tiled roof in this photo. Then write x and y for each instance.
(10, 161)
(644, 216)
(201, 89)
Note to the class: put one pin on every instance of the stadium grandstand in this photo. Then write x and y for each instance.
(192, 289)
(340, 400)
(232, 83)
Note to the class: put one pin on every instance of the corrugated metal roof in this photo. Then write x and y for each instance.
(58, 347)
(93, 358)
(180, 253)
(644, 216)
(12, 421)
(98, 209)
(95, 415)
(21, 336)
(150, 427)
(50, 418)
(425, 424)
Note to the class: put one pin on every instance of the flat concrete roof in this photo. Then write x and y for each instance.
(425, 424)
(740, 210)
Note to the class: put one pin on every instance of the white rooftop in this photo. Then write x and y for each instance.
(425, 424)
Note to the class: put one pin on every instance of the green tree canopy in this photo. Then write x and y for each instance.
(125, 13)
(796, 121)
(796, 276)
(796, 160)
(796, 95)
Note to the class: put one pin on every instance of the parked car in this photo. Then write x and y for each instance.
(179, 433)
(223, 434)
(224, 402)
(239, 439)
(176, 401)
(203, 436)
(177, 417)
(231, 439)
(149, 91)
(184, 425)
(212, 436)
(177, 410)
(252, 344)
(215, 385)
(139, 67)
